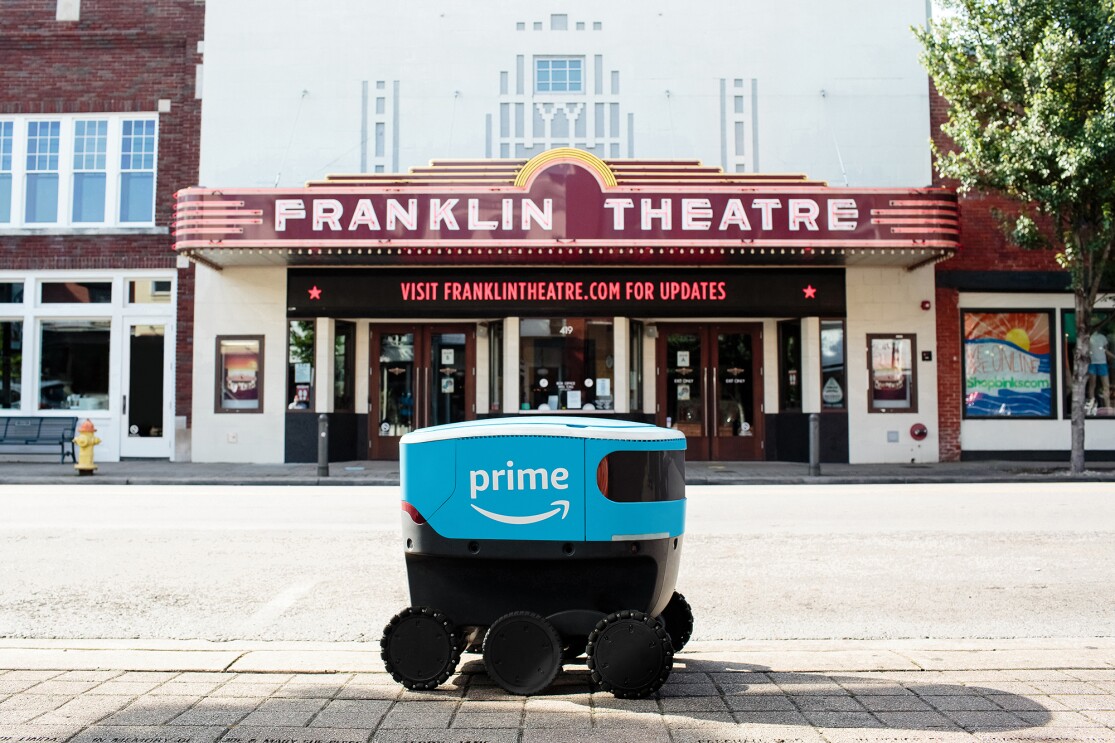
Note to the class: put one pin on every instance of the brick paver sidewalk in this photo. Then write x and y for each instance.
(714, 696)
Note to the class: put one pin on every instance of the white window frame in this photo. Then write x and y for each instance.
(113, 171)
(33, 312)
(550, 59)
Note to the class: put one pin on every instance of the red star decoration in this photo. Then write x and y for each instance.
(315, 293)
(810, 292)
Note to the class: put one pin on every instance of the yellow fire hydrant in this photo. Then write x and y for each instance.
(85, 440)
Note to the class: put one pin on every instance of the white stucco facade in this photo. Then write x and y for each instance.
(296, 92)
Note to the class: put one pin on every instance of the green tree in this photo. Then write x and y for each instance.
(1031, 88)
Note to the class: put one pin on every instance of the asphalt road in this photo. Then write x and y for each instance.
(773, 562)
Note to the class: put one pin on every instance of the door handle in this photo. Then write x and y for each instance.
(714, 400)
(708, 405)
(428, 401)
(124, 404)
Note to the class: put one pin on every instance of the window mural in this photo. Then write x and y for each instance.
(1007, 365)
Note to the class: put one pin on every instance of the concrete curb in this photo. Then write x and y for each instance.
(764, 655)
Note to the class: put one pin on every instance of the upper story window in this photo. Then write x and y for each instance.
(81, 170)
(559, 75)
(42, 171)
(6, 130)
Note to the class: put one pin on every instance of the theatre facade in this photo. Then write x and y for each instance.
(729, 306)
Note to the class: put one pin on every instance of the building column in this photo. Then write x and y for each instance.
(363, 366)
(324, 330)
(510, 365)
(810, 370)
(621, 365)
(482, 374)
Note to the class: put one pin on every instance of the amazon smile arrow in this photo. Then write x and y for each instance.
(562, 508)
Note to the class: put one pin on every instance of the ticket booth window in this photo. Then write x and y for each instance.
(833, 382)
(789, 365)
(300, 365)
(635, 367)
(344, 367)
(566, 364)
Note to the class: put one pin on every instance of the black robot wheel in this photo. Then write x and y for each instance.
(678, 616)
(629, 654)
(420, 647)
(522, 652)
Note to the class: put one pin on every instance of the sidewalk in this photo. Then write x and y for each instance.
(132, 691)
(162, 472)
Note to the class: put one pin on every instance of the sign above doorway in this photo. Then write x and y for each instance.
(567, 207)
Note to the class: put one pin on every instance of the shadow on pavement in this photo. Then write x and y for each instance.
(704, 698)
(715, 691)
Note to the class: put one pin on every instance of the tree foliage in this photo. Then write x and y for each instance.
(1031, 88)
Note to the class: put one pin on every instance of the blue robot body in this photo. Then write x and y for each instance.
(564, 521)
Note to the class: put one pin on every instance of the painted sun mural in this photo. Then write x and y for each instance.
(1007, 364)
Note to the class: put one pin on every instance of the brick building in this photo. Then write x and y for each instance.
(100, 118)
(1005, 337)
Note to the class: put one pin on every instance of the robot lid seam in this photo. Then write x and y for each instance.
(514, 431)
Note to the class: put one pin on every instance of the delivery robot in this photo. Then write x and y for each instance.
(536, 539)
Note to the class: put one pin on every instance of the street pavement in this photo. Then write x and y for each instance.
(1047, 688)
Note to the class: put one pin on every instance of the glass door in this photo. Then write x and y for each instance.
(420, 376)
(449, 398)
(710, 388)
(682, 374)
(145, 405)
(736, 372)
(393, 387)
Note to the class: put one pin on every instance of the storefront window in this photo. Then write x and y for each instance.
(566, 363)
(1008, 370)
(73, 370)
(300, 365)
(635, 364)
(892, 379)
(495, 367)
(1098, 399)
(789, 365)
(239, 374)
(344, 365)
(11, 363)
(833, 383)
(77, 292)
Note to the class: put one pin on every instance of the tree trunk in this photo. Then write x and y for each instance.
(1081, 358)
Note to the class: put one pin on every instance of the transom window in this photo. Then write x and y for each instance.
(559, 75)
(88, 170)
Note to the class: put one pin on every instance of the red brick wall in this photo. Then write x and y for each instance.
(984, 247)
(949, 374)
(119, 57)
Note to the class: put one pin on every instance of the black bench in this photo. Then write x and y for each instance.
(26, 431)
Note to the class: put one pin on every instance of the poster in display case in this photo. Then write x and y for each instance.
(239, 374)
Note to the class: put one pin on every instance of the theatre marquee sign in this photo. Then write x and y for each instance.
(569, 201)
